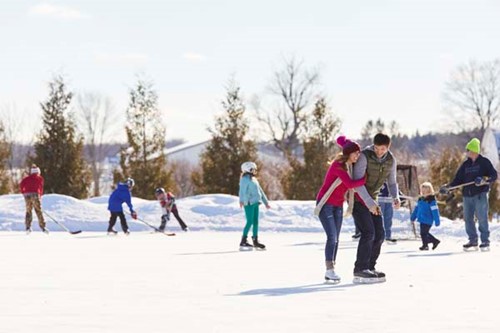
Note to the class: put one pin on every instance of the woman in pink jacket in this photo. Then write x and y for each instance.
(331, 213)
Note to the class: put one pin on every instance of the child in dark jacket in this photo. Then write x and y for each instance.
(426, 212)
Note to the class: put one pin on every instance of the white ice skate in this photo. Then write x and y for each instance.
(331, 277)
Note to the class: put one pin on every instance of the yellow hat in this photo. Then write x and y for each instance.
(474, 146)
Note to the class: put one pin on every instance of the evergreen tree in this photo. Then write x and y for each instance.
(58, 150)
(303, 179)
(4, 155)
(443, 169)
(228, 149)
(144, 160)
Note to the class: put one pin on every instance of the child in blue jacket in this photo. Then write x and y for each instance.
(251, 196)
(426, 212)
(119, 196)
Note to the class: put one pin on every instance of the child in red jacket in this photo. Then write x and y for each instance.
(32, 190)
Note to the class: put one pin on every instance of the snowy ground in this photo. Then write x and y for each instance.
(200, 282)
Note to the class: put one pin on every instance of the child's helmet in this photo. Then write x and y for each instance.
(159, 190)
(249, 167)
(130, 182)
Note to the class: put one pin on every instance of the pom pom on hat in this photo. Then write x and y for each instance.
(347, 145)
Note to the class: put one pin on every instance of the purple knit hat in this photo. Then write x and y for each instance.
(347, 145)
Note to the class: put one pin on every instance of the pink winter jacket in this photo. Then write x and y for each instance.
(337, 197)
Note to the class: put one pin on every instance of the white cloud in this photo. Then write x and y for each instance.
(60, 12)
(121, 59)
(194, 57)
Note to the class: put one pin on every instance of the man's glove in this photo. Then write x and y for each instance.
(134, 215)
(480, 181)
(444, 189)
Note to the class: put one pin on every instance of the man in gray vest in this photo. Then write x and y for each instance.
(378, 165)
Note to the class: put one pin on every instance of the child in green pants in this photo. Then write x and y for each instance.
(251, 196)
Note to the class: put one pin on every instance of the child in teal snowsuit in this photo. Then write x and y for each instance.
(251, 196)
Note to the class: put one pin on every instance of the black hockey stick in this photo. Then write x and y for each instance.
(153, 227)
(62, 225)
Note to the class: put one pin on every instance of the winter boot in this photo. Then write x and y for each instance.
(435, 244)
(244, 245)
(424, 248)
(257, 245)
(356, 236)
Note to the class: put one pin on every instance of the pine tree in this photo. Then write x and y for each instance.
(4, 155)
(443, 169)
(303, 179)
(58, 151)
(228, 149)
(144, 160)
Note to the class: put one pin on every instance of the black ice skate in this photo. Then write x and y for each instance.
(391, 241)
(245, 245)
(424, 248)
(258, 246)
(112, 232)
(380, 275)
(45, 231)
(356, 236)
(366, 276)
(485, 247)
(435, 244)
(470, 247)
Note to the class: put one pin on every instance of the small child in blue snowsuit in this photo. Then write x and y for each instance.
(426, 213)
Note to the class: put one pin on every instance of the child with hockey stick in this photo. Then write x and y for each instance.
(251, 195)
(426, 212)
(168, 205)
(119, 196)
(32, 189)
(330, 200)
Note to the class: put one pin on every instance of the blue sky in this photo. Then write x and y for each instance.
(387, 59)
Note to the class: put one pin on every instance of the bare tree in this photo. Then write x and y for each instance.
(97, 119)
(294, 85)
(19, 132)
(473, 95)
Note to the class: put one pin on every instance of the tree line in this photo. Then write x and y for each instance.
(300, 125)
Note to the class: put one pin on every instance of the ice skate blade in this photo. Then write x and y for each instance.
(485, 249)
(471, 249)
(361, 280)
(246, 248)
(259, 249)
(331, 281)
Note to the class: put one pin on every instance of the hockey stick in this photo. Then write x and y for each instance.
(153, 227)
(62, 225)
